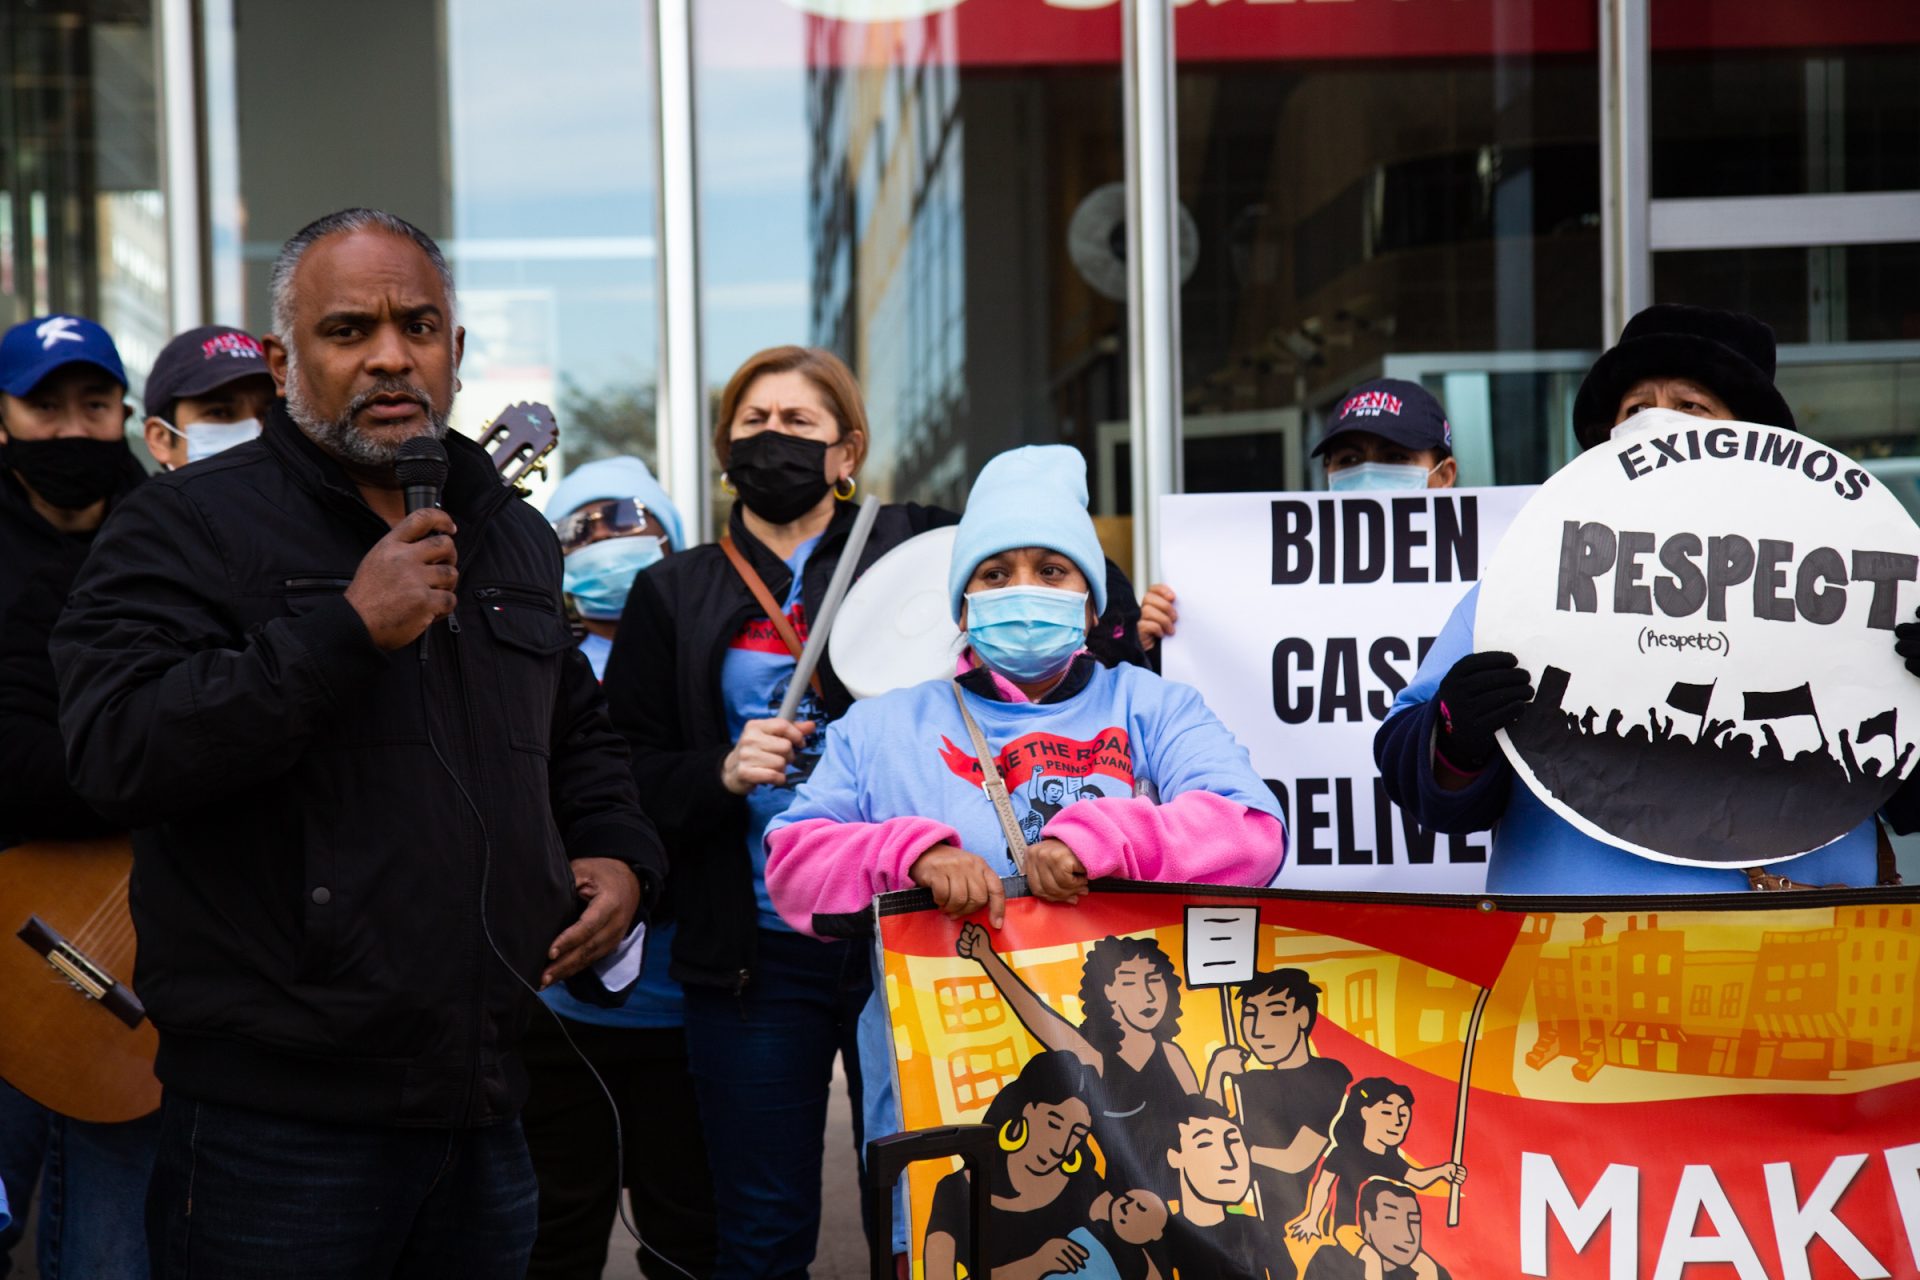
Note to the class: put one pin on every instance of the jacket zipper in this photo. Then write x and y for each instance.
(526, 595)
(316, 584)
(475, 938)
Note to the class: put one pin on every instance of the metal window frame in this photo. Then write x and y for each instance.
(180, 162)
(1626, 258)
(1153, 269)
(1783, 222)
(680, 402)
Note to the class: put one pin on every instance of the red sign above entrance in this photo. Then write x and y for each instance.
(986, 33)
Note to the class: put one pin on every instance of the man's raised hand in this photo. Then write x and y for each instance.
(407, 580)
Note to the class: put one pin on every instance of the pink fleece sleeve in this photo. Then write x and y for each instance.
(822, 867)
(1195, 838)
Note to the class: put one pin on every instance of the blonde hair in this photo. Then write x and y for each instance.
(830, 377)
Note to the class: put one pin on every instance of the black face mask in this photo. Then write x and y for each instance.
(70, 472)
(780, 477)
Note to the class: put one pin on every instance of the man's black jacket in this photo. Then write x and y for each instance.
(37, 565)
(663, 684)
(309, 881)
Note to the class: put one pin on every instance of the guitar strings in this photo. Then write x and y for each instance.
(115, 894)
(110, 932)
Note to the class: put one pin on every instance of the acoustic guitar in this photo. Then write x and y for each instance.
(73, 1035)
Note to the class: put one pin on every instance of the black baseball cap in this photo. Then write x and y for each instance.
(198, 361)
(1403, 412)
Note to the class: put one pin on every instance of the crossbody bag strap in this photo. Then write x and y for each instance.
(775, 614)
(995, 785)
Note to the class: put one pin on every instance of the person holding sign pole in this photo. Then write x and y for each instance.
(925, 786)
(706, 649)
(1437, 750)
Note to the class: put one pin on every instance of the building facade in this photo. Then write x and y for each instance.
(1473, 194)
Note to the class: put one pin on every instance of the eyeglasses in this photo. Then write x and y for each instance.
(608, 518)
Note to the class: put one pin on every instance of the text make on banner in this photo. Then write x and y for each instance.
(1707, 611)
(1313, 1123)
(1301, 616)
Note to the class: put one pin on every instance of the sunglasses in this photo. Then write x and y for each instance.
(609, 518)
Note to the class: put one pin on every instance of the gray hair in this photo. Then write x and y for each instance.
(281, 280)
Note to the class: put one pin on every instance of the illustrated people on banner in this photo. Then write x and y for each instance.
(1210, 1236)
(1390, 1245)
(1373, 1122)
(1051, 1212)
(899, 800)
(1287, 1111)
(1438, 752)
(1143, 1080)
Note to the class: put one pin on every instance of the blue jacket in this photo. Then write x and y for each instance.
(1535, 851)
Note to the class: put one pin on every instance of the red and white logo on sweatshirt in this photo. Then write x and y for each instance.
(1045, 772)
(1043, 755)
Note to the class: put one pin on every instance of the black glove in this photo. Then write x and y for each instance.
(1481, 695)
(1906, 643)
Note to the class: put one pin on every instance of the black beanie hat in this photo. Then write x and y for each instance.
(1728, 353)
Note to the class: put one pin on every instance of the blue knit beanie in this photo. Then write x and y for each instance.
(1030, 497)
(616, 478)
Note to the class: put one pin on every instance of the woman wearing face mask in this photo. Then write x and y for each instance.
(1156, 788)
(1437, 750)
(614, 521)
(697, 674)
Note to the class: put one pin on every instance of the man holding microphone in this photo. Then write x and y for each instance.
(375, 797)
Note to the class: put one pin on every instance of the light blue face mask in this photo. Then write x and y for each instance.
(1027, 633)
(1379, 475)
(599, 575)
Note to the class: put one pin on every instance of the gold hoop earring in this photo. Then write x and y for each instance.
(1072, 1163)
(1015, 1140)
(853, 487)
(726, 486)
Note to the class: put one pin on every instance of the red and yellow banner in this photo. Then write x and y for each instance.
(1184, 1084)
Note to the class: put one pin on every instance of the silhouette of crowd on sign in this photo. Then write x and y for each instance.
(1116, 1159)
(1708, 788)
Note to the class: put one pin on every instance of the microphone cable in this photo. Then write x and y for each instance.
(486, 929)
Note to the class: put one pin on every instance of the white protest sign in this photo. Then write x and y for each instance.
(1223, 945)
(1301, 616)
(1707, 611)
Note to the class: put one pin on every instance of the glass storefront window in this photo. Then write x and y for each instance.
(1408, 191)
(905, 193)
(531, 161)
(1768, 97)
(1849, 329)
(82, 217)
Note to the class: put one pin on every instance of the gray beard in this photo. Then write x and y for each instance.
(338, 437)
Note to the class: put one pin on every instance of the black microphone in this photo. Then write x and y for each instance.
(422, 469)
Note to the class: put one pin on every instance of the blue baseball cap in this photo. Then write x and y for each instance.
(35, 348)
(1403, 412)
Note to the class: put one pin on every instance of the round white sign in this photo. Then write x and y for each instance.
(1707, 611)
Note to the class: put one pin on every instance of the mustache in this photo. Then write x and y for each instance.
(387, 387)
